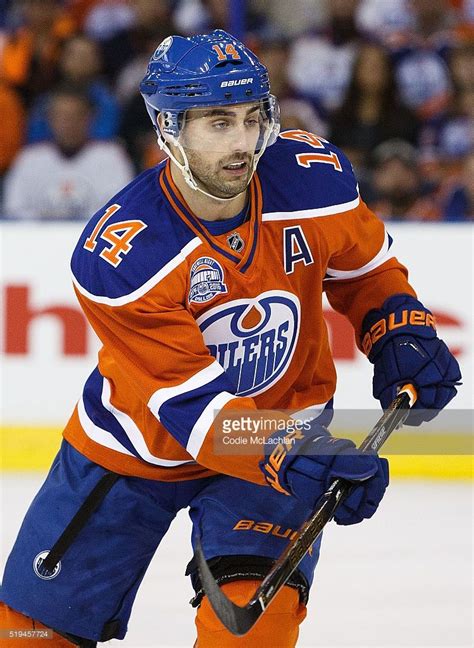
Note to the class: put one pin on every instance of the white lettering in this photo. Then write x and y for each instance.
(236, 82)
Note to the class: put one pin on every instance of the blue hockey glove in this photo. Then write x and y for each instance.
(401, 342)
(306, 465)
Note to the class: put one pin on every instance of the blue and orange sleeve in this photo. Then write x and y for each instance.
(361, 269)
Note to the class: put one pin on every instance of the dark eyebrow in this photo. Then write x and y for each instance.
(220, 112)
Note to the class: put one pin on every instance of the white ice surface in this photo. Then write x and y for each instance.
(402, 579)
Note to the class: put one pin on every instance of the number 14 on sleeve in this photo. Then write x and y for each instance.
(119, 235)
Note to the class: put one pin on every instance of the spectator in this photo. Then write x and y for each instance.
(273, 53)
(294, 109)
(433, 18)
(461, 65)
(385, 20)
(80, 9)
(129, 75)
(399, 192)
(106, 18)
(300, 114)
(127, 55)
(140, 141)
(450, 138)
(70, 177)
(422, 57)
(320, 65)
(457, 133)
(28, 60)
(151, 23)
(425, 83)
(134, 129)
(455, 137)
(459, 204)
(372, 111)
(80, 65)
(292, 19)
(465, 26)
(12, 122)
(191, 16)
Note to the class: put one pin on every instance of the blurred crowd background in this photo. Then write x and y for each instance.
(389, 81)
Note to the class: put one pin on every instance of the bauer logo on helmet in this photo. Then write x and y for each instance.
(235, 82)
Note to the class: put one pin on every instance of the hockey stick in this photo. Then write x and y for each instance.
(239, 619)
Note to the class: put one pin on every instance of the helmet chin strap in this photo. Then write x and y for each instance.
(186, 171)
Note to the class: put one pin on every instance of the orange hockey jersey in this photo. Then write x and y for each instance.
(190, 327)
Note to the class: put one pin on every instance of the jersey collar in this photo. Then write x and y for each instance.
(181, 208)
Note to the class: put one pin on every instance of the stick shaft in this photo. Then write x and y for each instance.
(310, 530)
(239, 620)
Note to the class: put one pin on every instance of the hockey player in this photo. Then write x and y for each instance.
(203, 279)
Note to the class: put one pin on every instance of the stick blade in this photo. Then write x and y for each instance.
(236, 619)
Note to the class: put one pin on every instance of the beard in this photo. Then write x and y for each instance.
(214, 179)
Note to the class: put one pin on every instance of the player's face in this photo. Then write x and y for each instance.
(220, 146)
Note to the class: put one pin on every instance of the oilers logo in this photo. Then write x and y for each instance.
(253, 339)
(206, 280)
(162, 48)
(40, 571)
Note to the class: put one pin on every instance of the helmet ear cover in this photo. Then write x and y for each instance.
(171, 124)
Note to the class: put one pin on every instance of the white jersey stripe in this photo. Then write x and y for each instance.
(199, 379)
(381, 256)
(134, 434)
(309, 413)
(98, 434)
(312, 213)
(148, 285)
(204, 422)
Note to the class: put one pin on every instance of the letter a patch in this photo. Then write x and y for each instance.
(295, 248)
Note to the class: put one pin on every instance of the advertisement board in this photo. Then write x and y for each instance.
(48, 349)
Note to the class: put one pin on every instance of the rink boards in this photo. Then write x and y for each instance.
(33, 448)
(48, 349)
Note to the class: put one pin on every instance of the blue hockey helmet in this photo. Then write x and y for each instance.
(201, 71)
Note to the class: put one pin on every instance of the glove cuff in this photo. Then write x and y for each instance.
(400, 315)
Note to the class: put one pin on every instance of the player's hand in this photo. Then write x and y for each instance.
(308, 465)
(400, 340)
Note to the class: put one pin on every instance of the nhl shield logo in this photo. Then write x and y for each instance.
(235, 242)
(206, 281)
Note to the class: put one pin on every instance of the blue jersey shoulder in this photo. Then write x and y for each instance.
(129, 240)
(302, 171)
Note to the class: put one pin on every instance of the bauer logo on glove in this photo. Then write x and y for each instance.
(401, 342)
(392, 323)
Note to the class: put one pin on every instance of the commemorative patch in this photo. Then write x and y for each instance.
(206, 281)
